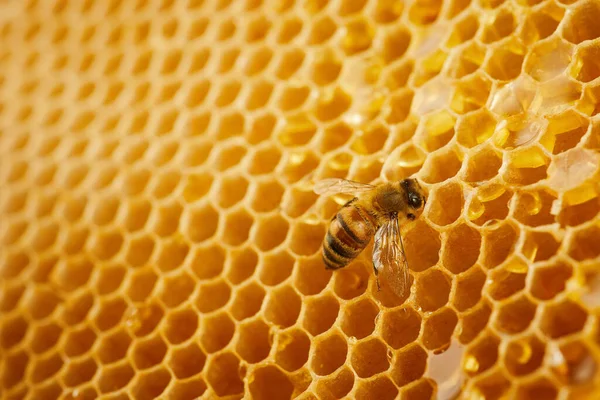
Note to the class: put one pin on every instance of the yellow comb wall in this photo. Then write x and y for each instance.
(159, 234)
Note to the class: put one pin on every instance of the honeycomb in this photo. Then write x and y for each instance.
(159, 236)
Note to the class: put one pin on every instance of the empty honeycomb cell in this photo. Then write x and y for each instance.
(422, 245)
(45, 368)
(110, 313)
(248, 301)
(254, 341)
(46, 236)
(523, 356)
(329, 354)
(113, 348)
(467, 61)
(483, 165)
(505, 62)
(115, 377)
(469, 288)
(180, 325)
(237, 227)
(211, 295)
(369, 357)
(264, 160)
(267, 196)
(585, 245)
(562, 318)
(474, 321)
(515, 315)
(42, 303)
(438, 329)
(587, 64)
(432, 171)
(335, 386)
(141, 284)
(177, 289)
(48, 390)
(190, 389)
(482, 355)
(579, 23)
(107, 245)
(187, 361)
(290, 62)
(148, 352)
(438, 130)
(14, 369)
(150, 385)
(208, 261)
(409, 364)
(216, 332)
(78, 308)
(572, 216)
(370, 141)
(13, 331)
(290, 28)
(14, 264)
(320, 313)
(462, 245)
(45, 337)
(222, 374)
(493, 386)
(550, 280)
(261, 129)
(533, 208)
(432, 290)
(321, 31)
(143, 319)
(306, 238)
(80, 372)
(276, 268)
(507, 280)
(358, 319)
(400, 104)
(75, 240)
(498, 243)
(539, 388)
(348, 283)
(270, 232)
(292, 349)
(137, 215)
(283, 306)
(269, 382)
(501, 26)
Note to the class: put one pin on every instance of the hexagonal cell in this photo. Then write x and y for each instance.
(207, 261)
(432, 289)
(489, 207)
(292, 349)
(533, 208)
(501, 26)
(539, 246)
(107, 245)
(253, 341)
(359, 35)
(176, 289)
(172, 253)
(574, 215)
(237, 227)
(242, 263)
(109, 278)
(329, 354)
(222, 374)
(197, 186)
(181, 325)
(425, 13)
(409, 365)
(542, 23)
(264, 160)
(508, 280)
(190, 389)
(270, 383)
(584, 243)
(110, 313)
(505, 62)
(14, 370)
(469, 288)
(212, 295)
(299, 164)
(358, 318)
(77, 310)
(562, 319)
(516, 315)
(45, 337)
(581, 24)
(202, 223)
(498, 243)
(337, 385)
(306, 238)
(151, 384)
(149, 352)
(187, 361)
(290, 28)
(483, 165)
(270, 232)
(216, 332)
(42, 302)
(283, 306)
(46, 234)
(139, 250)
(113, 347)
(320, 313)
(167, 219)
(369, 358)
(422, 245)
(258, 61)
(45, 368)
(137, 214)
(433, 172)
(76, 240)
(276, 267)
(525, 355)
(141, 284)
(548, 59)
(482, 354)
(539, 388)
(474, 321)
(47, 390)
(266, 196)
(438, 329)
(445, 212)
(475, 128)
(310, 276)
(550, 280)
(461, 248)
(80, 372)
(248, 301)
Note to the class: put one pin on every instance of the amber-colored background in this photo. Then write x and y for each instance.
(158, 232)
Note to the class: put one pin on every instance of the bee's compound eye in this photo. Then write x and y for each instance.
(414, 201)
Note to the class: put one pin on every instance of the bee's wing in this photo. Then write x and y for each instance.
(333, 186)
(389, 258)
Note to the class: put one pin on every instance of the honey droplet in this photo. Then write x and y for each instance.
(530, 250)
(471, 364)
(517, 266)
(476, 209)
(490, 192)
(532, 203)
(524, 351)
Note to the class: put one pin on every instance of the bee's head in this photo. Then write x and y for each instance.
(416, 198)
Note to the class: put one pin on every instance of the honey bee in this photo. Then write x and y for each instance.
(379, 210)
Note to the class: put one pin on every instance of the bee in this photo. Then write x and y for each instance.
(379, 211)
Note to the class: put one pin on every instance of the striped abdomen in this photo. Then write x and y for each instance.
(349, 233)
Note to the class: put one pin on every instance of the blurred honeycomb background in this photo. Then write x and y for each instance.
(159, 237)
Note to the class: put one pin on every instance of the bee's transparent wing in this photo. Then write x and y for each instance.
(334, 186)
(389, 258)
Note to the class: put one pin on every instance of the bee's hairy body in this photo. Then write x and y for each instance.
(354, 225)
